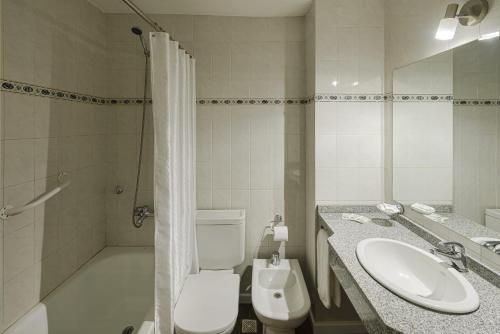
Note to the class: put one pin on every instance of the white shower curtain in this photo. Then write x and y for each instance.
(174, 118)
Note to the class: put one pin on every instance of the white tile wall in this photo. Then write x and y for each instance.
(345, 139)
(40, 137)
(423, 152)
(247, 156)
(243, 151)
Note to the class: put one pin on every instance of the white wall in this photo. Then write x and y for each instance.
(345, 139)
(410, 26)
(350, 48)
(48, 46)
(477, 140)
(423, 132)
(248, 156)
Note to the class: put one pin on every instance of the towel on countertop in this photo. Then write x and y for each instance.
(324, 273)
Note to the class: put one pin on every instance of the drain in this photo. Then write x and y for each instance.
(277, 295)
(128, 330)
(248, 326)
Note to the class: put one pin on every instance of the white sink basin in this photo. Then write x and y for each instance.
(417, 275)
(279, 295)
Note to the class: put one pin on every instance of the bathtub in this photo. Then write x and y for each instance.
(110, 292)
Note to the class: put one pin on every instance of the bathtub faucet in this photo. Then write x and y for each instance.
(141, 213)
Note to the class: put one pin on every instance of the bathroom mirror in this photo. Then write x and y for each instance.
(446, 143)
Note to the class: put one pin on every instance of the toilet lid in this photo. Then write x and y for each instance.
(208, 304)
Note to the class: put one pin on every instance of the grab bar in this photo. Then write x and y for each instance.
(10, 211)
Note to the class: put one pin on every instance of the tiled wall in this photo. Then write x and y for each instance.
(348, 136)
(249, 156)
(126, 64)
(476, 136)
(410, 28)
(310, 35)
(423, 131)
(51, 44)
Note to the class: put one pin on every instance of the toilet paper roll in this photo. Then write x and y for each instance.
(280, 233)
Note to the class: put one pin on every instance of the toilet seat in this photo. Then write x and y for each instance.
(208, 303)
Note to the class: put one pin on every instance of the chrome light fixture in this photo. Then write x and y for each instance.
(472, 13)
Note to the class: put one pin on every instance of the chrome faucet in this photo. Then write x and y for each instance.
(142, 212)
(455, 252)
(275, 259)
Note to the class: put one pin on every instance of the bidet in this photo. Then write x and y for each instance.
(279, 295)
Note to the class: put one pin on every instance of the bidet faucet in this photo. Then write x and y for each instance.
(455, 252)
(275, 259)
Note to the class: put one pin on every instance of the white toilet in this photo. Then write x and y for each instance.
(208, 303)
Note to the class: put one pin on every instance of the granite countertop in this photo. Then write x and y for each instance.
(466, 227)
(397, 314)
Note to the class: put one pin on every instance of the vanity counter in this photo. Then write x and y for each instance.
(381, 310)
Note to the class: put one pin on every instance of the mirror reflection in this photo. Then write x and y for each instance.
(446, 140)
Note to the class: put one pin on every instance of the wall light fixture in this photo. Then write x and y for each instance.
(472, 13)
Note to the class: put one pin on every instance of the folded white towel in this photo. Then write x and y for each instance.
(422, 208)
(324, 273)
(437, 218)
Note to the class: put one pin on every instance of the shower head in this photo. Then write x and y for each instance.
(137, 31)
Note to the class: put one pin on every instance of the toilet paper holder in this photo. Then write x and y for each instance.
(276, 220)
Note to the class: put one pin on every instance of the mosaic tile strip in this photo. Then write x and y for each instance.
(348, 98)
(421, 98)
(477, 102)
(127, 101)
(251, 101)
(29, 89)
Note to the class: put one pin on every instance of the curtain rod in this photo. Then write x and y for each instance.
(149, 21)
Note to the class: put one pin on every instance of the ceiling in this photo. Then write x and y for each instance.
(211, 7)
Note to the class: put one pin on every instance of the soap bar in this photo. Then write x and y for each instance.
(356, 218)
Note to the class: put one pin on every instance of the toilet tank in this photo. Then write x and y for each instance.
(220, 238)
(492, 219)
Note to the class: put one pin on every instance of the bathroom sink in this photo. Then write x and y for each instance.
(417, 276)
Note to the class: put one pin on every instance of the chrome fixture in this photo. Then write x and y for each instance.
(472, 13)
(275, 259)
(140, 214)
(455, 252)
(492, 245)
(118, 189)
(276, 220)
(138, 32)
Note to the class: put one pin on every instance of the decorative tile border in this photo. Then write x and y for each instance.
(477, 102)
(250, 101)
(30, 89)
(348, 98)
(421, 98)
(127, 101)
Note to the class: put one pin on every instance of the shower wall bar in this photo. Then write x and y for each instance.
(149, 21)
(9, 211)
